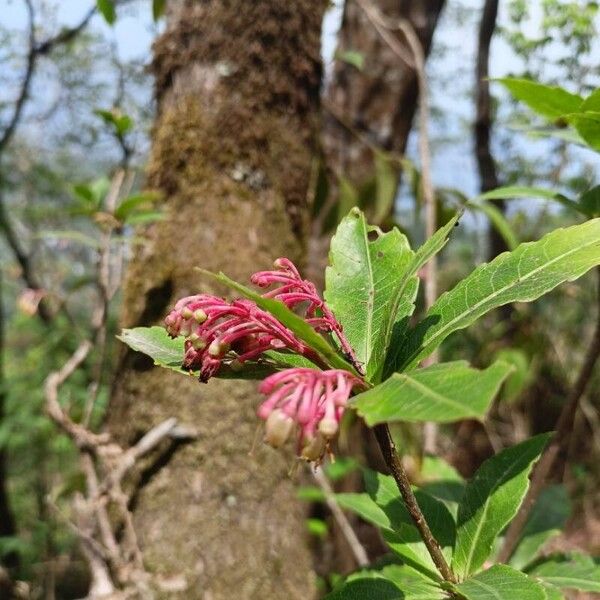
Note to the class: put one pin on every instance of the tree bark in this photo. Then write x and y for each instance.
(488, 175)
(237, 87)
(380, 100)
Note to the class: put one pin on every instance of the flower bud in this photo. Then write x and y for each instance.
(314, 449)
(328, 427)
(217, 348)
(198, 342)
(278, 428)
(200, 316)
(187, 313)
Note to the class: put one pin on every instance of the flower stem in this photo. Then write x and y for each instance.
(392, 460)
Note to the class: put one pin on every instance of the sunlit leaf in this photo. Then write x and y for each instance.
(525, 274)
(443, 393)
(491, 500)
(501, 582)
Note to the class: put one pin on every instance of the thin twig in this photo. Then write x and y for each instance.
(358, 551)
(564, 427)
(394, 464)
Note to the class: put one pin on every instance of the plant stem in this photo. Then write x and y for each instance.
(392, 460)
(564, 428)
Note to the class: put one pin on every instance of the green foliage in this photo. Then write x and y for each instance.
(352, 57)
(548, 101)
(158, 8)
(382, 506)
(575, 572)
(392, 582)
(546, 520)
(442, 393)
(521, 374)
(530, 271)
(561, 107)
(501, 582)
(490, 501)
(107, 9)
(370, 287)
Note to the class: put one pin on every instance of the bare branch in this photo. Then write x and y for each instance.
(360, 554)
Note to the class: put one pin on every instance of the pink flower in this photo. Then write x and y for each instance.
(292, 290)
(310, 399)
(213, 327)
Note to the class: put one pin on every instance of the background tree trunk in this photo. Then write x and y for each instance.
(380, 100)
(488, 175)
(369, 108)
(237, 86)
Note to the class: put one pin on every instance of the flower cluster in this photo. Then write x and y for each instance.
(213, 327)
(292, 290)
(216, 331)
(314, 400)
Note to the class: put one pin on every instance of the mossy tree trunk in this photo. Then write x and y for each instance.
(237, 87)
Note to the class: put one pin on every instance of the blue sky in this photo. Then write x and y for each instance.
(453, 163)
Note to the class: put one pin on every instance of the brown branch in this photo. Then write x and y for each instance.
(562, 434)
(358, 551)
(83, 438)
(394, 464)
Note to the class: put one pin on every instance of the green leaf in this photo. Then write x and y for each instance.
(383, 506)
(589, 202)
(145, 217)
(107, 9)
(156, 343)
(442, 481)
(592, 102)
(516, 192)
(521, 375)
(525, 274)
(443, 393)
(352, 57)
(168, 353)
(546, 520)
(422, 256)
(392, 582)
(548, 101)
(341, 467)
(499, 221)
(291, 320)
(310, 493)
(501, 582)
(588, 127)
(317, 527)
(158, 9)
(577, 572)
(134, 202)
(366, 287)
(491, 500)
(552, 593)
